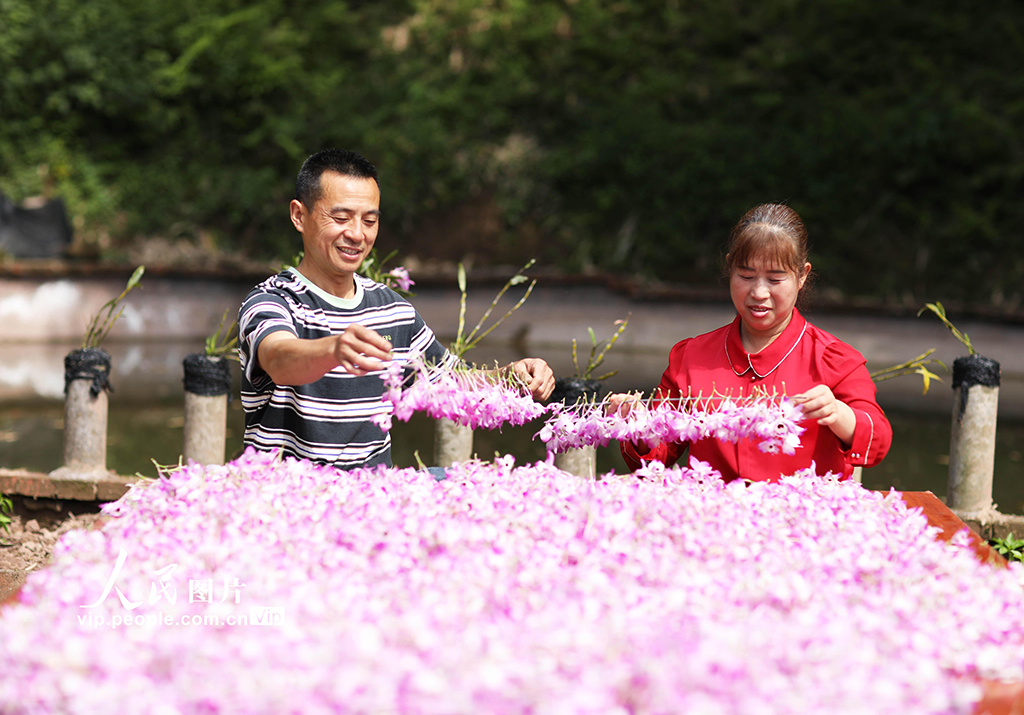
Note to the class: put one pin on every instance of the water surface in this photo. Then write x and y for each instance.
(146, 407)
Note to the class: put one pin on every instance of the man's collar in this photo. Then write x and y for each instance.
(337, 302)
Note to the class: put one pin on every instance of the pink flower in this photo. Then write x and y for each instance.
(400, 278)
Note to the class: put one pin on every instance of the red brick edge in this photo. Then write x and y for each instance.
(997, 698)
(941, 516)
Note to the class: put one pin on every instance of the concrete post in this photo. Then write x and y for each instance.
(452, 443)
(205, 428)
(581, 462)
(207, 385)
(86, 374)
(85, 430)
(973, 436)
(576, 391)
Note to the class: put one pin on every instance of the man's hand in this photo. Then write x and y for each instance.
(536, 375)
(360, 350)
(290, 360)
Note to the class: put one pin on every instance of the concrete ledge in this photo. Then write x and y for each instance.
(991, 524)
(104, 488)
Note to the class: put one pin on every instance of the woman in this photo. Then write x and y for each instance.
(771, 348)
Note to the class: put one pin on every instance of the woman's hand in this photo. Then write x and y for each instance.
(821, 405)
(623, 403)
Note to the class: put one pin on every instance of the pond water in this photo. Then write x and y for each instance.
(145, 422)
(139, 435)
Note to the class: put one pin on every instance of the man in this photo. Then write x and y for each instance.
(314, 338)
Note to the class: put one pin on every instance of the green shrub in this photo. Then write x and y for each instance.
(625, 136)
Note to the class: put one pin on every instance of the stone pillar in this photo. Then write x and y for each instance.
(452, 443)
(205, 428)
(582, 461)
(86, 382)
(973, 436)
(207, 387)
(578, 393)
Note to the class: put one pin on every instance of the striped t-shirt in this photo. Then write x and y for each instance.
(326, 421)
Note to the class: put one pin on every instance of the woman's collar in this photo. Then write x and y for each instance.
(771, 357)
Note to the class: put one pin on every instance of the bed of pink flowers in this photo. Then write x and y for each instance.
(507, 590)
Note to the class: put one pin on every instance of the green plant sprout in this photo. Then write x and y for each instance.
(217, 347)
(6, 509)
(373, 269)
(163, 470)
(101, 324)
(294, 262)
(419, 462)
(597, 358)
(1012, 549)
(914, 366)
(937, 308)
(464, 343)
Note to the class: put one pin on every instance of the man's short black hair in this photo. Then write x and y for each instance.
(340, 161)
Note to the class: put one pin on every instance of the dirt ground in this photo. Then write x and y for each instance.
(36, 526)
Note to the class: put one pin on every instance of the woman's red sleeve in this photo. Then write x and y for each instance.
(850, 382)
(670, 387)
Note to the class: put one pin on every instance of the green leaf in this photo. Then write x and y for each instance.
(136, 277)
(940, 311)
(6, 508)
(464, 343)
(927, 375)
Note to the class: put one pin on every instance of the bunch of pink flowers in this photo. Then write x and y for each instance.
(506, 589)
(470, 397)
(774, 422)
(489, 400)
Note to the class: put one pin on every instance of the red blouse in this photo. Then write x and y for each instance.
(800, 358)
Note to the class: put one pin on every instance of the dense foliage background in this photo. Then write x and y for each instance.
(625, 136)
